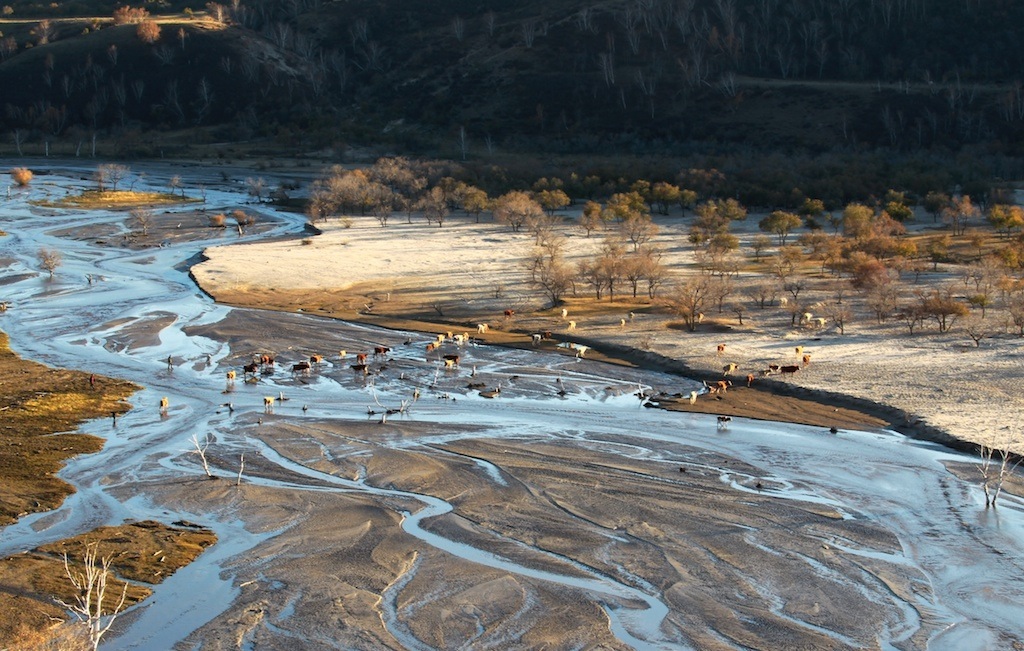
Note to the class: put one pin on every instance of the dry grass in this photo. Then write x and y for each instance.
(108, 199)
(41, 408)
(142, 552)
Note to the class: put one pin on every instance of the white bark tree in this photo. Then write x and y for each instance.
(91, 606)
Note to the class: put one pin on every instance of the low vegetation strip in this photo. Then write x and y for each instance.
(99, 199)
(41, 410)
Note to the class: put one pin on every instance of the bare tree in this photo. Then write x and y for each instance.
(690, 299)
(434, 206)
(256, 187)
(201, 451)
(112, 173)
(515, 208)
(977, 328)
(142, 219)
(958, 212)
(91, 584)
(639, 230)
(49, 260)
(996, 466)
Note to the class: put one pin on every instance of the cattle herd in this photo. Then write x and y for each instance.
(262, 364)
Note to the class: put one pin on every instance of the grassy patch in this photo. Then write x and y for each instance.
(141, 552)
(116, 199)
(40, 409)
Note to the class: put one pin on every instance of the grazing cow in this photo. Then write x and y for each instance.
(723, 385)
(729, 368)
(380, 350)
(580, 349)
(723, 422)
(509, 314)
(361, 368)
(231, 376)
(268, 403)
(821, 321)
(451, 361)
(565, 313)
(807, 359)
(789, 369)
(250, 369)
(431, 347)
(302, 367)
(4, 305)
(361, 358)
(460, 340)
(693, 397)
(773, 368)
(721, 349)
(535, 338)
(481, 328)
(750, 379)
(342, 354)
(267, 360)
(806, 317)
(572, 325)
(546, 334)
(799, 350)
(316, 359)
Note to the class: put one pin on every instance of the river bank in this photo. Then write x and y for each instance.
(931, 385)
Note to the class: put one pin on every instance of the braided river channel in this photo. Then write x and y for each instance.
(419, 508)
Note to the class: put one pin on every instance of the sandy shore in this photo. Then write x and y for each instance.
(937, 386)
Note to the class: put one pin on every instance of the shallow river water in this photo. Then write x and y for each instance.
(971, 558)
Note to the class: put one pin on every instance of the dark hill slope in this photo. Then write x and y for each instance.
(559, 75)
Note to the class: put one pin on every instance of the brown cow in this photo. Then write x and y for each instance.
(451, 360)
(361, 368)
(509, 314)
(721, 349)
(250, 369)
(380, 350)
(301, 367)
(750, 379)
(316, 359)
(807, 359)
(789, 369)
(361, 358)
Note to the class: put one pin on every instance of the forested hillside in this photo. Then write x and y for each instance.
(537, 75)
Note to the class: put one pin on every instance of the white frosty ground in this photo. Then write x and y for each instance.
(971, 392)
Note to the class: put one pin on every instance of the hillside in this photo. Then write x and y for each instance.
(564, 77)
